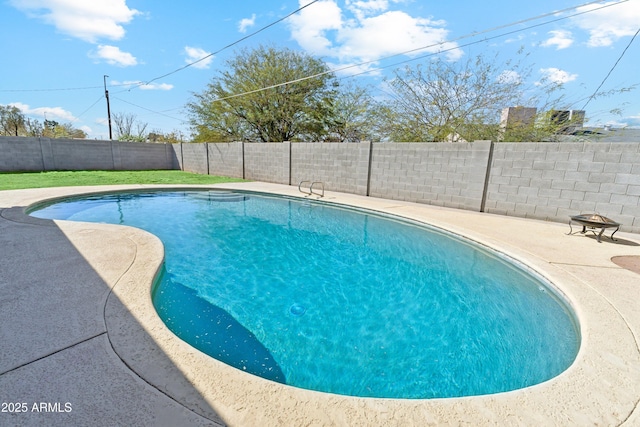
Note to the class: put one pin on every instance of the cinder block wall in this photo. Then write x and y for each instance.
(195, 158)
(137, 156)
(442, 174)
(548, 181)
(64, 154)
(267, 162)
(226, 159)
(555, 180)
(44, 154)
(341, 167)
(20, 154)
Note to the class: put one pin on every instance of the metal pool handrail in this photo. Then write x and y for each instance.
(310, 191)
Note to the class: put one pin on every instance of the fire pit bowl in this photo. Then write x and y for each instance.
(592, 222)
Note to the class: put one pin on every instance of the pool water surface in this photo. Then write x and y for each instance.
(340, 300)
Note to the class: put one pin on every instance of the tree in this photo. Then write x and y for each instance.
(12, 121)
(356, 115)
(66, 130)
(173, 137)
(449, 101)
(128, 128)
(235, 106)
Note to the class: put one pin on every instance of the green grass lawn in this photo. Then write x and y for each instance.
(15, 181)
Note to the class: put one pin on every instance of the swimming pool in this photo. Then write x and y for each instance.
(343, 301)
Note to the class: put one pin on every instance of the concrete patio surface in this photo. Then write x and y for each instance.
(81, 345)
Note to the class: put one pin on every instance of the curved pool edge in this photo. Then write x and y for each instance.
(601, 387)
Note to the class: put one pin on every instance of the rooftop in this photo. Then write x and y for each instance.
(602, 134)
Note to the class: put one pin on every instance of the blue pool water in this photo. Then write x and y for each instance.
(339, 300)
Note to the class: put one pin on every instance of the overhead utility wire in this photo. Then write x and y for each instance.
(152, 111)
(387, 57)
(434, 45)
(90, 107)
(477, 41)
(476, 33)
(231, 44)
(138, 84)
(611, 70)
(409, 51)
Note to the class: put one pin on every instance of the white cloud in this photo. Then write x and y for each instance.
(605, 26)
(509, 77)
(561, 39)
(309, 27)
(142, 85)
(88, 20)
(196, 54)
(556, 75)
(156, 86)
(354, 69)
(366, 30)
(367, 7)
(51, 113)
(246, 23)
(114, 56)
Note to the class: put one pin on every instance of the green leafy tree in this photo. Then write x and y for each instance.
(356, 116)
(14, 123)
(172, 137)
(235, 106)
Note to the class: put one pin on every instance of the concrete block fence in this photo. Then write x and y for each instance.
(451, 175)
(554, 180)
(547, 181)
(46, 154)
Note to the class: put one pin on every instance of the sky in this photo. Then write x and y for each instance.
(58, 55)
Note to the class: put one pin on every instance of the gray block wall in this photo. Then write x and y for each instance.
(267, 162)
(552, 181)
(195, 158)
(20, 154)
(548, 181)
(341, 167)
(226, 159)
(137, 156)
(43, 154)
(67, 154)
(442, 174)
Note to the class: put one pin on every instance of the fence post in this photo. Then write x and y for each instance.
(369, 160)
(487, 176)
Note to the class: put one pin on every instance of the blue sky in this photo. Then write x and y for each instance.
(57, 52)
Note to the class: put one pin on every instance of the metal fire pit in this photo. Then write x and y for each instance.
(593, 222)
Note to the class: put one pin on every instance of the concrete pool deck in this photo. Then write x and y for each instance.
(80, 343)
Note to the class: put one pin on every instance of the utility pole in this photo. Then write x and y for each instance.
(106, 95)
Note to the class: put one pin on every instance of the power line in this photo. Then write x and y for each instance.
(50, 90)
(90, 107)
(141, 83)
(231, 44)
(474, 34)
(489, 38)
(611, 70)
(147, 109)
(420, 48)
(437, 44)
